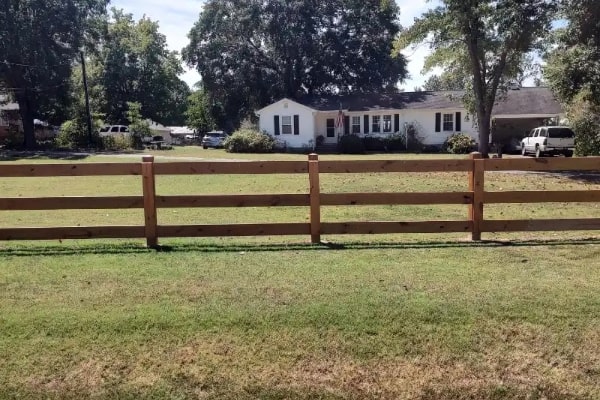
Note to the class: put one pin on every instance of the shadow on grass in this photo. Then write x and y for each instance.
(135, 248)
(43, 155)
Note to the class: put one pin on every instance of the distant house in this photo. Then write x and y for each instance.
(435, 115)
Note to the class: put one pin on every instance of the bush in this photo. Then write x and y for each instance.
(351, 144)
(395, 142)
(459, 143)
(73, 135)
(584, 118)
(14, 139)
(115, 143)
(249, 141)
(374, 143)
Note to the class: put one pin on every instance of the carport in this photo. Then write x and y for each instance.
(526, 109)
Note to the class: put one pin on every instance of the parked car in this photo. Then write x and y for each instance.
(213, 139)
(549, 140)
(113, 130)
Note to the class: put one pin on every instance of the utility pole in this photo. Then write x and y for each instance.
(87, 100)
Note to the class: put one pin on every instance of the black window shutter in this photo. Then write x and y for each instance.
(438, 122)
(396, 122)
(458, 121)
(346, 125)
(276, 123)
(296, 124)
(366, 124)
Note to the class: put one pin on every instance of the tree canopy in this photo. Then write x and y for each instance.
(573, 65)
(251, 53)
(133, 64)
(39, 41)
(484, 40)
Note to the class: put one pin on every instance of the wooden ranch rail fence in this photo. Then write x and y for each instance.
(475, 198)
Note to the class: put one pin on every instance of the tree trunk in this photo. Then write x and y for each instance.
(485, 129)
(27, 117)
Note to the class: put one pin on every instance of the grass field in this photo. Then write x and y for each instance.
(391, 317)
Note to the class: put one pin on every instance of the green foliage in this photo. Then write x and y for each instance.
(199, 114)
(395, 142)
(448, 80)
(373, 143)
(132, 63)
(249, 141)
(138, 127)
(459, 143)
(351, 144)
(250, 53)
(73, 134)
(484, 44)
(39, 40)
(584, 117)
(116, 142)
(14, 139)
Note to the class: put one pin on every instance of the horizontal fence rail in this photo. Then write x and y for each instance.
(474, 198)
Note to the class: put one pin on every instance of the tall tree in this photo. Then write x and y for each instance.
(444, 81)
(39, 41)
(250, 53)
(133, 64)
(485, 40)
(573, 66)
(199, 113)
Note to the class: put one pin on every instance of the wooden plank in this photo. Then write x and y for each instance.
(373, 228)
(375, 166)
(71, 203)
(149, 188)
(543, 164)
(232, 168)
(477, 186)
(48, 170)
(73, 232)
(315, 198)
(542, 196)
(234, 230)
(363, 199)
(548, 225)
(218, 201)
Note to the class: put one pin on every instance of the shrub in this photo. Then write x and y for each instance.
(584, 118)
(249, 141)
(459, 143)
(395, 142)
(374, 143)
(14, 139)
(72, 135)
(114, 143)
(351, 144)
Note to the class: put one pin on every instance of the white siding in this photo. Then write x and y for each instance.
(424, 120)
(289, 108)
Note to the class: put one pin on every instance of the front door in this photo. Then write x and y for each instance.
(330, 136)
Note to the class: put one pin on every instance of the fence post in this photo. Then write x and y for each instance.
(315, 198)
(476, 185)
(149, 184)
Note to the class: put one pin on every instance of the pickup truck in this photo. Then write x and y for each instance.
(549, 140)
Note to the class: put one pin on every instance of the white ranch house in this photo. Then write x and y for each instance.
(436, 115)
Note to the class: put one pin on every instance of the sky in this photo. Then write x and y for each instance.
(176, 18)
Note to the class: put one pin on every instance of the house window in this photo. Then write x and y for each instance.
(376, 124)
(355, 125)
(448, 122)
(387, 123)
(331, 127)
(286, 125)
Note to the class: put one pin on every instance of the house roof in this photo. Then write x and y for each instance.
(531, 101)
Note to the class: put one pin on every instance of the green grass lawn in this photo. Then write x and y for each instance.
(391, 317)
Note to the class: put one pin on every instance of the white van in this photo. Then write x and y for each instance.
(114, 130)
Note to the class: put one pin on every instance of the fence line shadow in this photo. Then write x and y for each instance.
(138, 248)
